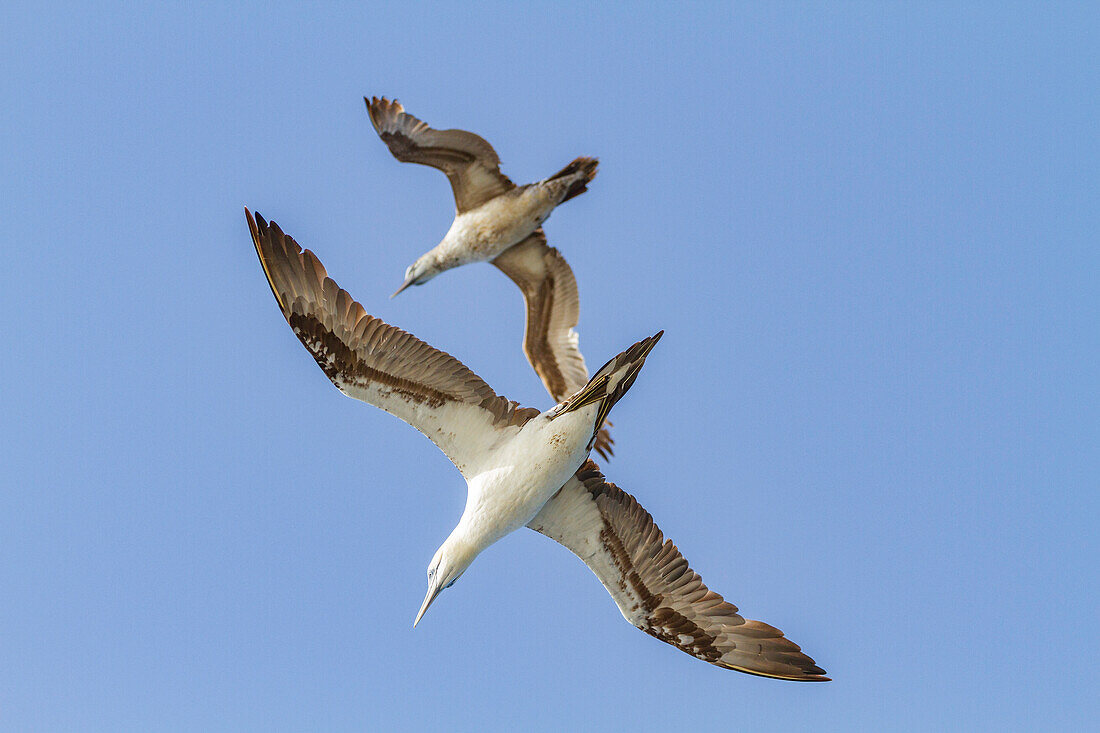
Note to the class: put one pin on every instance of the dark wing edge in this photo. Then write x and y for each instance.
(373, 361)
(469, 161)
(553, 309)
(653, 586)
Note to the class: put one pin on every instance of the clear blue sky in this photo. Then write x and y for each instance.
(869, 232)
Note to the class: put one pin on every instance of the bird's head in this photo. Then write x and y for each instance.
(448, 565)
(418, 273)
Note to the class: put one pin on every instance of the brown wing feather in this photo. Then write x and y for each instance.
(553, 309)
(378, 363)
(654, 587)
(470, 163)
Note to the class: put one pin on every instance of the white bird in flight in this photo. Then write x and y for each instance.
(522, 466)
(496, 220)
(491, 212)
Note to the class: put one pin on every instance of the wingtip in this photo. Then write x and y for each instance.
(373, 109)
(260, 231)
(811, 677)
(256, 225)
(255, 218)
(809, 673)
(377, 106)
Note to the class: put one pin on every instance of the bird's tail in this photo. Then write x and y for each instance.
(582, 170)
(612, 380)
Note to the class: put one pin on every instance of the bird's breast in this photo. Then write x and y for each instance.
(485, 232)
(527, 472)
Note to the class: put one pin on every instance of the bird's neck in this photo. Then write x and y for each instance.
(441, 257)
(463, 545)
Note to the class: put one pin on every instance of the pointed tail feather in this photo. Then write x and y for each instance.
(611, 381)
(584, 168)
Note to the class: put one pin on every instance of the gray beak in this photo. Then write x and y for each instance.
(433, 591)
(408, 281)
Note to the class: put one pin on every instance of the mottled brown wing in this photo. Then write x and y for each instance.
(553, 308)
(654, 587)
(372, 361)
(470, 163)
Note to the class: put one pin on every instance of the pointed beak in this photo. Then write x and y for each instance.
(433, 591)
(408, 281)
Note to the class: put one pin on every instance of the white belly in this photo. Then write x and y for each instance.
(483, 233)
(528, 472)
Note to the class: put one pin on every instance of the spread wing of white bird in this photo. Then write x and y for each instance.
(653, 586)
(470, 163)
(553, 309)
(380, 364)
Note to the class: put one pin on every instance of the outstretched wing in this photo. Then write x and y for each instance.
(471, 164)
(553, 308)
(372, 361)
(654, 587)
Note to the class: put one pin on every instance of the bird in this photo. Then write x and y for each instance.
(522, 466)
(483, 193)
(550, 340)
(513, 459)
(491, 213)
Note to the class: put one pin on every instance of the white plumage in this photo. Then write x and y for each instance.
(521, 466)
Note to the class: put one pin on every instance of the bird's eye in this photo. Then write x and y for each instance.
(431, 572)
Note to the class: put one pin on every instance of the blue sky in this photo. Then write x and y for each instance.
(868, 230)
